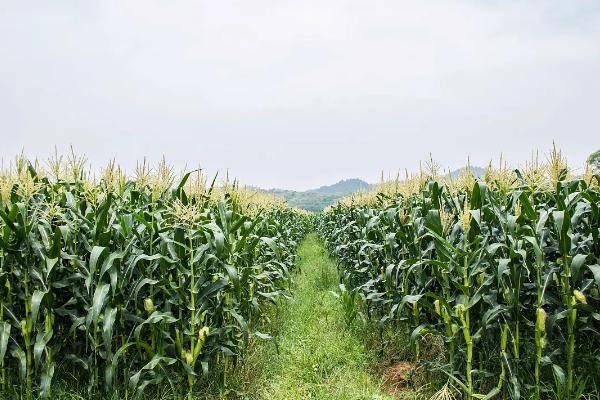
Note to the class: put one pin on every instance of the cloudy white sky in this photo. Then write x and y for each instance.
(298, 94)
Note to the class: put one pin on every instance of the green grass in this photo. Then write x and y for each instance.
(319, 356)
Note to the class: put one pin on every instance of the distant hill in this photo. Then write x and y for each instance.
(343, 187)
(477, 171)
(317, 199)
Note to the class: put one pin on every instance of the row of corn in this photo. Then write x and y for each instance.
(504, 269)
(119, 284)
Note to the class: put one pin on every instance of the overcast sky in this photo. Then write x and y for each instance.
(298, 94)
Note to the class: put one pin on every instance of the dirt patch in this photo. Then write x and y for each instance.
(397, 376)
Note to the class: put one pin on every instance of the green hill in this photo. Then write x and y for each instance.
(343, 187)
(317, 199)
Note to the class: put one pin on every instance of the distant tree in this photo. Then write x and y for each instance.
(594, 161)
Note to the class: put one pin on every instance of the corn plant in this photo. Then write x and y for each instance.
(504, 268)
(132, 282)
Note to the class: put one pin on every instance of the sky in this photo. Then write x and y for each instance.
(299, 94)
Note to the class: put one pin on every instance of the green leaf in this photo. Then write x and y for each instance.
(576, 263)
(36, 301)
(418, 332)
(559, 374)
(97, 304)
(107, 327)
(596, 271)
(46, 380)
(112, 367)
(19, 354)
(95, 255)
(4, 336)
(154, 318)
(488, 396)
(41, 342)
(133, 381)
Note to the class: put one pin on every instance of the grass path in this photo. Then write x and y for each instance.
(319, 357)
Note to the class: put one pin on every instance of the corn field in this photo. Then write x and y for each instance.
(505, 269)
(132, 282)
